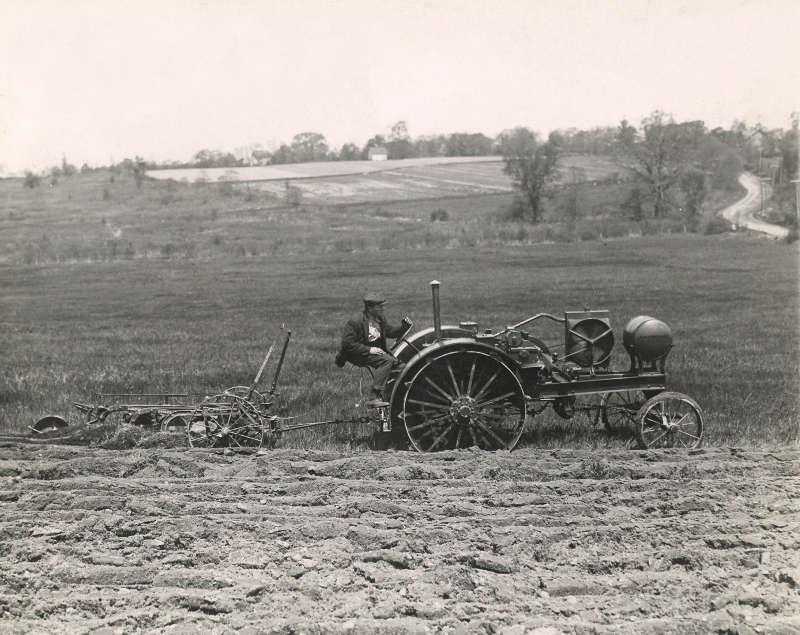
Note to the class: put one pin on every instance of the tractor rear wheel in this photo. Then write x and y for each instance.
(463, 398)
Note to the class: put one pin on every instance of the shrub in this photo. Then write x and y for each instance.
(31, 180)
(792, 235)
(653, 226)
(467, 240)
(294, 195)
(67, 168)
(550, 233)
(30, 254)
(382, 213)
(633, 204)
(613, 228)
(716, 225)
(439, 215)
(73, 251)
(514, 211)
(226, 188)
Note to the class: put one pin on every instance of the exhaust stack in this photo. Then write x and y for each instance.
(437, 316)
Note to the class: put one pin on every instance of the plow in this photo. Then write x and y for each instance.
(455, 386)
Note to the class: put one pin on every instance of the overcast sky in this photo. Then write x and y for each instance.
(100, 80)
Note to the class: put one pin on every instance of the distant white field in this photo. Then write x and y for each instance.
(307, 170)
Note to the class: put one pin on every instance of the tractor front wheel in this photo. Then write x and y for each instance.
(670, 419)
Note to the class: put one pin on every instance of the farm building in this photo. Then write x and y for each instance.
(378, 153)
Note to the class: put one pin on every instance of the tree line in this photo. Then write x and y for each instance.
(313, 146)
(673, 164)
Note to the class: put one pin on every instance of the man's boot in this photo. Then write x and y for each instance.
(377, 400)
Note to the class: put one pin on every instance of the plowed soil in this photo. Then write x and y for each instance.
(542, 541)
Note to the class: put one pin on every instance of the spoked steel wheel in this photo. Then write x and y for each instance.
(225, 421)
(146, 420)
(464, 398)
(175, 422)
(618, 409)
(245, 392)
(670, 419)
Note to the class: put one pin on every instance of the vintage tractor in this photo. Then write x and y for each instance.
(461, 386)
(455, 387)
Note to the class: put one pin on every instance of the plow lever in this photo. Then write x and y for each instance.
(280, 364)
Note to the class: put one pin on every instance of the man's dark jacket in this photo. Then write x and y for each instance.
(355, 342)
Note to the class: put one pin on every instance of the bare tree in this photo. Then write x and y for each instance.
(531, 166)
(659, 154)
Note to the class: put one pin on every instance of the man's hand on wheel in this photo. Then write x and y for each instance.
(374, 350)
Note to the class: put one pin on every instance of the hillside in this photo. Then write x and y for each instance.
(105, 215)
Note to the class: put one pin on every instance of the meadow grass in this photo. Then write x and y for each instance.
(70, 330)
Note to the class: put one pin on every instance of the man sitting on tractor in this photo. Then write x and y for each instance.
(364, 345)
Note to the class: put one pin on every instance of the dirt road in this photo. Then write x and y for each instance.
(290, 541)
(742, 211)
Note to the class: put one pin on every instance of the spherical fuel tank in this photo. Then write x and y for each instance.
(646, 337)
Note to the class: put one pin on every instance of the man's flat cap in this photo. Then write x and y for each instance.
(372, 299)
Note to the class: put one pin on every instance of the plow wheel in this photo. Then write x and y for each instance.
(225, 421)
(146, 420)
(670, 419)
(50, 423)
(243, 392)
(618, 409)
(175, 422)
(461, 399)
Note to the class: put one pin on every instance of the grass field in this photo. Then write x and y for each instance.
(381, 181)
(162, 326)
(314, 169)
(105, 287)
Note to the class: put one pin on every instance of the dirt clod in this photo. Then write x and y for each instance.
(175, 540)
